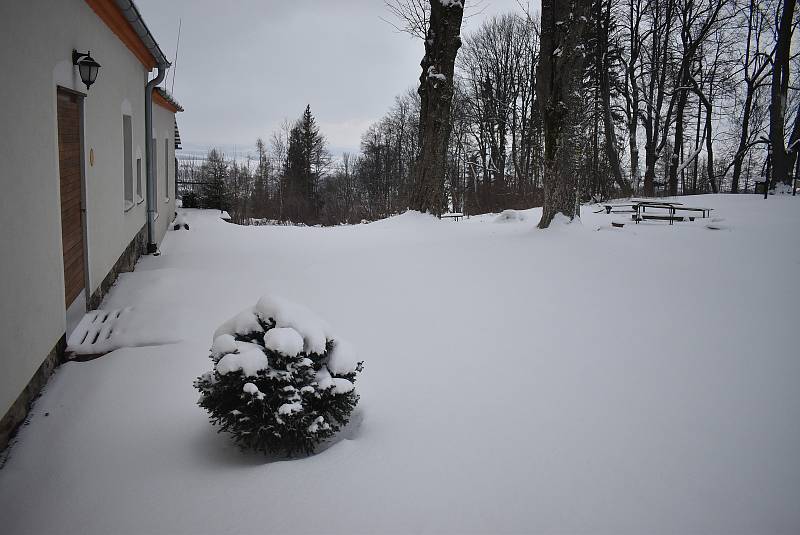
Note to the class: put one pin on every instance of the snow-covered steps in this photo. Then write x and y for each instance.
(102, 331)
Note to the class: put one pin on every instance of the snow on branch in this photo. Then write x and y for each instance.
(691, 158)
(436, 76)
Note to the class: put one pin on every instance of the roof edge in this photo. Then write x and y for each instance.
(134, 18)
(164, 99)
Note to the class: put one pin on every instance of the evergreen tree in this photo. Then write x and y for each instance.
(214, 173)
(279, 383)
(260, 198)
(306, 161)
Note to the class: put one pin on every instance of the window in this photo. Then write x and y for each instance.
(166, 170)
(127, 161)
(139, 196)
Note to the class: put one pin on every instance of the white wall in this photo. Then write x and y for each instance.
(36, 42)
(164, 129)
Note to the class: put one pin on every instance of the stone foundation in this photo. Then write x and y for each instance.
(125, 263)
(19, 409)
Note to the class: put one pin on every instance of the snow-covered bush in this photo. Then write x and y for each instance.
(508, 216)
(180, 222)
(281, 381)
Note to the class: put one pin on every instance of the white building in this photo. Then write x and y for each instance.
(76, 206)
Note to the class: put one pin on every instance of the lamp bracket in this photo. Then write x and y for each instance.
(76, 56)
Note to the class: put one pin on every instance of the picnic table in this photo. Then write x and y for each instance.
(638, 209)
(671, 207)
(454, 216)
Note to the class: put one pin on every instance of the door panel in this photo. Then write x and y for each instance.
(70, 177)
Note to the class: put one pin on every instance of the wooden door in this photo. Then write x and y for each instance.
(71, 178)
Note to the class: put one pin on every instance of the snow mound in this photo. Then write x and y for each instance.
(253, 390)
(244, 322)
(249, 362)
(561, 220)
(562, 223)
(313, 330)
(338, 385)
(343, 358)
(284, 340)
(510, 216)
(410, 218)
(223, 344)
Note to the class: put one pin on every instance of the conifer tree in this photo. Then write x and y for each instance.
(260, 184)
(306, 160)
(280, 382)
(213, 193)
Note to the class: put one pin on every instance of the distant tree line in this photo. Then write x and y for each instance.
(645, 97)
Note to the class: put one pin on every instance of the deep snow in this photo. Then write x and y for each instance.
(634, 380)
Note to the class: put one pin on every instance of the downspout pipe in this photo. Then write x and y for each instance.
(152, 247)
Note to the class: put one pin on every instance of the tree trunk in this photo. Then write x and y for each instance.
(780, 86)
(744, 136)
(672, 186)
(712, 180)
(650, 159)
(558, 74)
(436, 97)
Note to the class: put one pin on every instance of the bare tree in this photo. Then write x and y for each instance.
(410, 16)
(606, 55)
(655, 68)
(558, 76)
(697, 21)
(280, 147)
(755, 62)
(635, 38)
(436, 95)
(781, 162)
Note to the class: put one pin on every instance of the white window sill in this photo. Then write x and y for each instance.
(128, 205)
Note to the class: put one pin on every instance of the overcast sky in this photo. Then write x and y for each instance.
(244, 65)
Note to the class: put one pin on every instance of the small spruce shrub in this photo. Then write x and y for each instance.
(190, 200)
(281, 383)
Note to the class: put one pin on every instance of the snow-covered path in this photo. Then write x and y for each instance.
(635, 380)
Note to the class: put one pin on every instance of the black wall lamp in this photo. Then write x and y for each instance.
(87, 67)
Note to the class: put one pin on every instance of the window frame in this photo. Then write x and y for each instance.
(139, 196)
(127, 163)
(166, 170)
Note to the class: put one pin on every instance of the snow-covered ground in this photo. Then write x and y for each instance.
(581, 379)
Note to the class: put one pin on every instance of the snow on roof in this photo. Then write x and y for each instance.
(169, 99)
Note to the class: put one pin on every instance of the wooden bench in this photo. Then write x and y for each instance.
(610, 209)
(669, 218)
(454, 216)
(706, 211)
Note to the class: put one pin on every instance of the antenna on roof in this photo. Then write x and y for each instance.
(175, 63)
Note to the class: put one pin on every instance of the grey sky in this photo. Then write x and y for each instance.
(245, 65)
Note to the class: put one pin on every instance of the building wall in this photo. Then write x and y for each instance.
(36, 42)
(164, 130)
